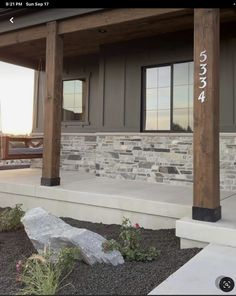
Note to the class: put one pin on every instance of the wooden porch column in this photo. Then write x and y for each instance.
(206, 204)
(52, 107)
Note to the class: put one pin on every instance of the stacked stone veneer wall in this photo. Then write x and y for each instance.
(154, 158)
(78, 153)
(161, 158)
(228, 162)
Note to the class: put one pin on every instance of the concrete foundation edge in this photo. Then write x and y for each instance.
(85, 212)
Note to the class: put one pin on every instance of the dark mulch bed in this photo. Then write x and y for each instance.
(130, 278)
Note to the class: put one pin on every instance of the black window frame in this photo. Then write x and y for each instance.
(143, 96)
(74, 123)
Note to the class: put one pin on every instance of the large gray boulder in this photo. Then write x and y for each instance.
(45, 229)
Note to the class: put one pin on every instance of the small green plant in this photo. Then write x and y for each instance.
(66, 259)
(42, 275)
(129, 244)
(10, 218)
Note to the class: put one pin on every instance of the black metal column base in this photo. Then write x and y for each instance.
(205, 214)
(50, 181)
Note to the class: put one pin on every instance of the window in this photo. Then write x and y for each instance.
(168, 98)
(74, 100)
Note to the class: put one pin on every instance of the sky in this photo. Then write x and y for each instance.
(16, 99)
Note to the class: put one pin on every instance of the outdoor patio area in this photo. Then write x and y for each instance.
(86, 197)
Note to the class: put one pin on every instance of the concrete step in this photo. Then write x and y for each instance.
(201, 275)
(195, 233)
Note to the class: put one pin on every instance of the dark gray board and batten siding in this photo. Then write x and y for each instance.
(116, 80)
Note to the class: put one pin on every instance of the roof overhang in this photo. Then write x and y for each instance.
(84, 34)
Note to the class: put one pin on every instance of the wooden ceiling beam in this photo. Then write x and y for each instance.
(106, 18)
(24, 35)
(115, 17)
(87, 22)
(19, 61)
(81, 34)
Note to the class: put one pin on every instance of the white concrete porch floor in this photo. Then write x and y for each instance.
(85, 182)
(96, 199)
(200, 275)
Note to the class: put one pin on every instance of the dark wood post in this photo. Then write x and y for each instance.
(52, 107)
(206, 205)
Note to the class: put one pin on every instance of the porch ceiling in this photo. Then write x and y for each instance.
(83, 35)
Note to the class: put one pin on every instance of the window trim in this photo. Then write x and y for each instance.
(73, 123)
(143, 96)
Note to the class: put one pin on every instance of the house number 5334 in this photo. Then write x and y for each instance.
(203, 75)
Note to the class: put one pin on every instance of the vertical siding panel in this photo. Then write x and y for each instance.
(101, 88)
(234, 82)
(93, 111)
(114, 92)
(124, 102)
(226, 85)
(133, 91)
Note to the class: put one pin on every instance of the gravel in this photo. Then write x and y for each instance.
(131, 278)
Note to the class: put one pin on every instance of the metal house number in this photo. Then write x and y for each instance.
(202, 75)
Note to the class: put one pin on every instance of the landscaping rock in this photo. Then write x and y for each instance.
(45, 229)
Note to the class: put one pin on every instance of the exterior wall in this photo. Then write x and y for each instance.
(78, 153)
(115, 88)
(228, 162)
(122, 75)
(115, 84)
(160, 158)
(227, 84)
(147, 157)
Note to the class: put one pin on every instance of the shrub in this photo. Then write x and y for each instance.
(41, 275)
(129, 244)
(10, 218)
